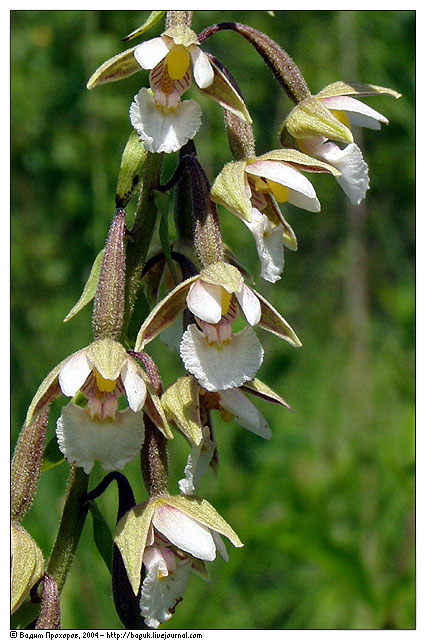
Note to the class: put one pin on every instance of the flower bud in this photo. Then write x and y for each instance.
(108, 311)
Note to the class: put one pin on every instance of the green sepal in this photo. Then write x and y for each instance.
(181, 402)
(341, 88)
(273, 322)
(89, 288)
(312, 119)
(302, 161)
(52, 456)
(224, 275)
(222, 91)
(130, 537)
(151, 21)
(102, 535)
(118, 67)
(261, 390)
(27, 565)
(203, 512)
(154, 409)
(131, 167)
(230, 189)
(163, 314)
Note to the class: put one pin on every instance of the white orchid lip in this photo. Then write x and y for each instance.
(112, 442)
(269, 245)
(221, 368)
(164, 132)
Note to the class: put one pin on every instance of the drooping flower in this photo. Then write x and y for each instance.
(170, 535)
(328, 116)
(102, 373)
(251, 188)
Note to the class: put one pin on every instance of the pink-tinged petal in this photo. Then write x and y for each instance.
(134, 385)
(249, 304)
(283, 174)
(358, 113)
(184, 532)
(113, 443)
(74, 373)
(201, 67)
(224, 367)
(148, 54)
(159, 596)
(205, 301)
(244, 411)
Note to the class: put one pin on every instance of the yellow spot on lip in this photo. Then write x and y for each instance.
(177, 61)
(103, 384)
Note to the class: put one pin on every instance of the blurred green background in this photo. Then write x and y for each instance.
(326, 508)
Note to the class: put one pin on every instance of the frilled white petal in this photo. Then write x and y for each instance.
(184, 532)
(205, 301)
(201, 67)
(164, 132)
(244, 411)
(249, 304)
(221, 368)
(74, 373)
(269, 245)
(358, 113)
(83, 441)
(148, 54)
(134, 385)
(354, 179)
(159, 595)
(197, 464)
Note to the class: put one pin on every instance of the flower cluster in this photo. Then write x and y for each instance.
(118, 408)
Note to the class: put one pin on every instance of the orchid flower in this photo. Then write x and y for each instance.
(170, 535)
(101, 372)
(251, 188)
(217, 357)
(318, 120)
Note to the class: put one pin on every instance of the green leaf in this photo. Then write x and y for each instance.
(102, 535)
(52, 456)
(89, 288)
(153, 18)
